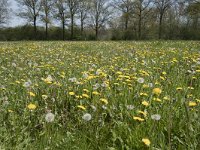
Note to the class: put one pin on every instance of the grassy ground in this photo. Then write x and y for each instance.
(100, 95)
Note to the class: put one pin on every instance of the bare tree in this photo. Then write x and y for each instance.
(126, 8)
(162, 6)
(47, 6)
(30, 10)
(141, 10)
(4, 10)
(61, 14)
(73, 8)
(83, 11)
(100, 14)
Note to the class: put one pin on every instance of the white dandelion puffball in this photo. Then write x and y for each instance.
(87, 117)
(49, 117)
(140, 80)
(155, 117)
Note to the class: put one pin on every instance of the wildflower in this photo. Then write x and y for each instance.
(87, 117)
(130, 107)
(95, 93)
(190, 88)
(157, 99)
(71, 93)
(27, 84)
(49, 79)
(44, 97)
(143, 113)
(138, 119)
(146, 141)
(157, 91)
(31, 106)
(179, 88)
(81, 107)
(191, 104)
(155, 117)
(85, 95)
(145, 103)
(85, 90)
(150, 84)
(105, 101)
(10, 111)
(93, 107)
(140, 80)
(32, 94)
(72, 79)
(49, 117)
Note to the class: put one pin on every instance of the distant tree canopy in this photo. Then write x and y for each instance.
(103, 20)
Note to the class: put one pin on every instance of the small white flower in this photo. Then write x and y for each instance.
(93, 107)
(85, 75)
(87, 117)
(14, 64)
(96, 86)
(140, 80)
(130, 107)
(73, 79)
(155, 117)
(150, 84)
(27, 84)
(49, 117)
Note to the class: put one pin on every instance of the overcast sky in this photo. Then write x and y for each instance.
(14, 20)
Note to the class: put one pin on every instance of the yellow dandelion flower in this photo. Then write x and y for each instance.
(145, 103)
(10, 111)
(138, 119)
(143, 113)
(146, 141)
(32, 94)
(95, 93)
(85, 90)
(157, 99)
(71, 93)
(81, 107)
(44, 97)
(85, 95)
(179, 88)
(192, 104)
(105, 101)
(157, 91)
(31, 106)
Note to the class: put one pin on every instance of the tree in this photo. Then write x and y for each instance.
(162, 6)
(100, 14)
(141, 10)
(126, 8)
(84, 8)
(30, 10)
(61, 14)
(73, 8)
(47, 6)
(4, 10)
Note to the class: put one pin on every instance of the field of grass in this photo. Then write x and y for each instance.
(100, 95)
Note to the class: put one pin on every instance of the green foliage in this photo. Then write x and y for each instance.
(114, 82)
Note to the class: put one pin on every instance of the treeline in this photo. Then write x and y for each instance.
(103, 19)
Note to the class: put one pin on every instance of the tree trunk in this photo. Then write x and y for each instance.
(160, 26)
(72, 27)
(126, 23)
(81, 24)
(63, 30)
(140, 22)
(97, 31)
(46, 28)
(35, 26)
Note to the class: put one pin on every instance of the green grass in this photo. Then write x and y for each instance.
(111, 69)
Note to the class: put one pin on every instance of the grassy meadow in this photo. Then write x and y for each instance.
(100, 95)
